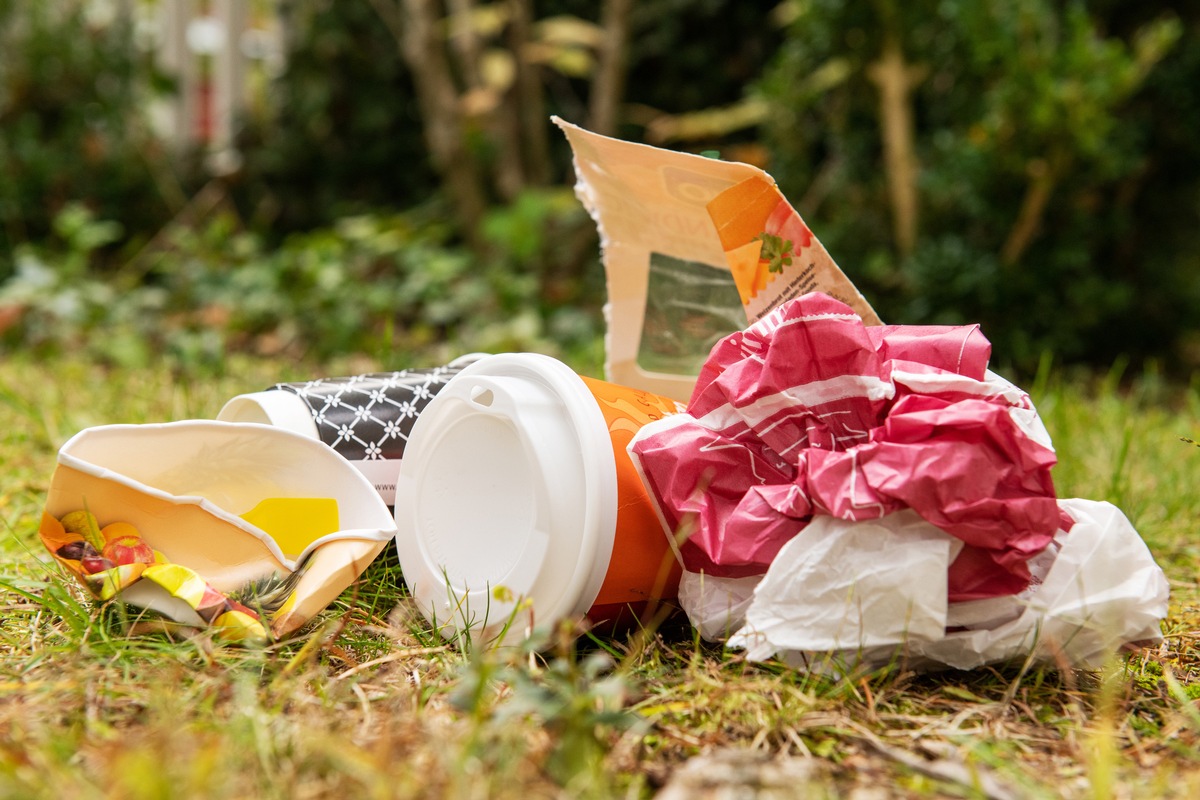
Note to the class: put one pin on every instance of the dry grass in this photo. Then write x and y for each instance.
(366, 703)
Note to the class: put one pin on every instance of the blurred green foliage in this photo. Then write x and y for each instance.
(73, 92)
(687, 55)
(1057, 195)
(390, 286)
(342, 134)
(1049, 138)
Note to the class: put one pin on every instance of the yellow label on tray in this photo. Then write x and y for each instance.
(295, 522)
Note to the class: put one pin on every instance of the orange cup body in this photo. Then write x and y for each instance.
(643, 569)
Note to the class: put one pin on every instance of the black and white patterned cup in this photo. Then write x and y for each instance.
(367, 418)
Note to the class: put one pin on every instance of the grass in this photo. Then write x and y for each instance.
(365, 702)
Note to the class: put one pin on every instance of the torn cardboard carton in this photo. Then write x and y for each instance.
(694, 248)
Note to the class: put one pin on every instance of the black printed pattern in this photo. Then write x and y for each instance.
(369, 417)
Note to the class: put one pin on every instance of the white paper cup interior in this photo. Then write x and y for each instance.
(273, 407)
(233, 466)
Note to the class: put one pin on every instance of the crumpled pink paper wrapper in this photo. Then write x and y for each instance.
(888, 455)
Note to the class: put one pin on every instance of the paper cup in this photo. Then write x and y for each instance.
(517, 504)
(366, 419)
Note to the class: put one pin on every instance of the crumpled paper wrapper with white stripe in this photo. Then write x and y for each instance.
(859, 492)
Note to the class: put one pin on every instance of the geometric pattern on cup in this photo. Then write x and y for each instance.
(369, 417)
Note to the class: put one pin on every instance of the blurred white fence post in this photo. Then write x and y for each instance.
(228, 96)
(207, 107)
(177, 60)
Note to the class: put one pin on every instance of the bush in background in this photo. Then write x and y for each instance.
(342, 135)
(73, 91)
(395, 287)
(1031, 166)
(1023, 165)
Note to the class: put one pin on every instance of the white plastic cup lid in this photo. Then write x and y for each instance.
(506, 503)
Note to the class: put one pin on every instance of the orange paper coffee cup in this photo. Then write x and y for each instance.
(518, 506)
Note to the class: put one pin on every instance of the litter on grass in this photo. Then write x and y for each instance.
(838, 488)
(836, 492)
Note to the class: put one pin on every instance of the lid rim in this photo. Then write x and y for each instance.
(592, 543)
